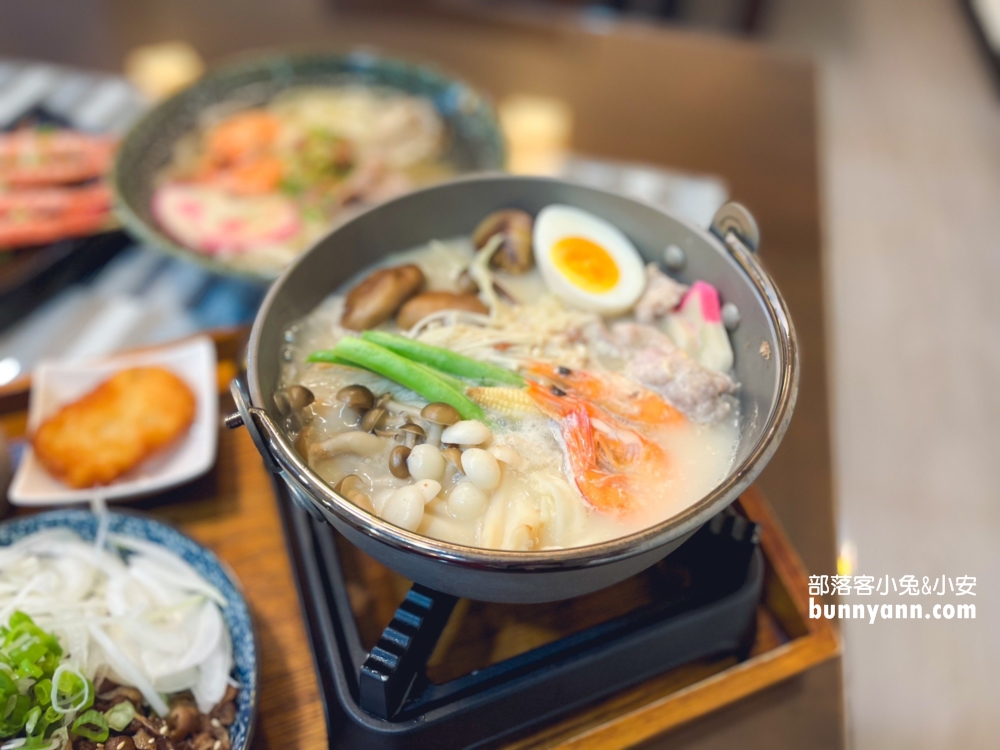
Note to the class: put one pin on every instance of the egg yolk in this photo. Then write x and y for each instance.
(585, 264)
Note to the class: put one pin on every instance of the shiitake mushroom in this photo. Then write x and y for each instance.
(422, 305)
(515, 252)
(380, 295)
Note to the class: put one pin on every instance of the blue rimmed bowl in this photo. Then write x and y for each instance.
(474, 140)
(236, 613)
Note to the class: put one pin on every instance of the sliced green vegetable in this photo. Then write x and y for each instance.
(444, 359)
(419, 379)
(43, 692)
(50, 717)
(327, 356)
(451, 380)
(120, 715)
(72, 691)
(29, 657)
(91, 725)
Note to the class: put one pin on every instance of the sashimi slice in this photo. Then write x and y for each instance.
(37, 216)
(35, 158)
(210, 220)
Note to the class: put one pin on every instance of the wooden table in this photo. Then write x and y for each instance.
(682, 100)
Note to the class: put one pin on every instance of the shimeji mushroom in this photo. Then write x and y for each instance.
(357, 397)
(439, 416)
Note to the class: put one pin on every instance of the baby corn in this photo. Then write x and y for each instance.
(511, 402)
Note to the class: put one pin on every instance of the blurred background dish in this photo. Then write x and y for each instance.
(201, 173)
(158, 541)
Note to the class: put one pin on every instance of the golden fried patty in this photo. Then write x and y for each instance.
(94, 440)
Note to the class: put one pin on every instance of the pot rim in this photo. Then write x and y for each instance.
(281, 452)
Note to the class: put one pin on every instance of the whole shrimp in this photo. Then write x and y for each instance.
(612, 463)
(611, 391)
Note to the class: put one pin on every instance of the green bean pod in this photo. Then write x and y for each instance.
(444, 359)
(418, 378)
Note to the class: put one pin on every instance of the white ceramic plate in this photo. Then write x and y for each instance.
(55, 384)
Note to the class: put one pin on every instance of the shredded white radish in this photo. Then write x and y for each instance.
(136, 612)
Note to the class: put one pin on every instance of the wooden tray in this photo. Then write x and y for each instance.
(232, 510)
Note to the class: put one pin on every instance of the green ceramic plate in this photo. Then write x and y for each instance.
(474, 139)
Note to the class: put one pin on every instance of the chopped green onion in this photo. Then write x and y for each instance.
(418, 379)
(43, 692)
(91, 725)
(47, 719)
(71, 690)
(443, 359)
(120, 716)
(31, 720)
(29, 657)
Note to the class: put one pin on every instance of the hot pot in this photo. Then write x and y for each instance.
(763, 340)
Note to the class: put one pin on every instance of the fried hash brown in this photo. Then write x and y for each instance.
(113, 428)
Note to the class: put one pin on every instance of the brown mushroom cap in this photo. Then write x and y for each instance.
(353, 488)
(411, 433)
(292, 398)
(440, 413)
(453, 455)
(373, 419)
(183, 720)
(397, 462)
(515, 253)
(379, 295)
(350, 483)
(357, 397)
(426, 303)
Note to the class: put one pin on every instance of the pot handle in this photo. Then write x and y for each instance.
(247, 416)
(737, 230)
(734, 217)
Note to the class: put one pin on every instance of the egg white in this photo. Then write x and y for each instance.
(556, 222)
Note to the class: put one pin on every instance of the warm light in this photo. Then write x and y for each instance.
(538, 130)
(847, 559)
(159, 70)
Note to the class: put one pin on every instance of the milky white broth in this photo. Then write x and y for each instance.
(537, 506)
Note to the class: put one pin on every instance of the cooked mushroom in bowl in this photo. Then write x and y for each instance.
(465, 392)
(605, 411)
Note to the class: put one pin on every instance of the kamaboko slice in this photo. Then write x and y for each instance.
(210, 220)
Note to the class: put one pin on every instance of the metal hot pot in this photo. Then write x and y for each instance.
(763, 342)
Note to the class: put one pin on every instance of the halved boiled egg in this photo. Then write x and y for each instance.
(587, 262)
